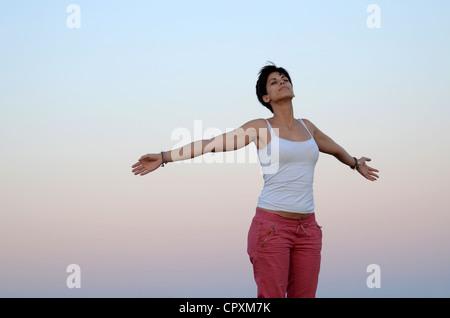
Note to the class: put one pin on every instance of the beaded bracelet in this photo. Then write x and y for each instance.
(163, 154)
(356, 164)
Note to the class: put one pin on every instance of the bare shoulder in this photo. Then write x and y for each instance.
(311, 127)
(255, 124)
(257, 130)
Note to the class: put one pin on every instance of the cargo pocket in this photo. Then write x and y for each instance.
(269, 234)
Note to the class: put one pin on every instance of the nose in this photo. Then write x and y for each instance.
(283, 84)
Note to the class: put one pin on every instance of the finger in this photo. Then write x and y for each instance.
(372, 169)
(137, 169)
(369, 175)
(367, 159)
(136, 164)
(373, 175)
(146, 171)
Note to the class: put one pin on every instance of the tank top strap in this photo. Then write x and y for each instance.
(270, 129)
(300, 120)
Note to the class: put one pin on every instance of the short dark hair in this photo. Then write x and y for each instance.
(261, 84)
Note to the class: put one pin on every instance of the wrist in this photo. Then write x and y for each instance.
(356, 164)
(164, 158)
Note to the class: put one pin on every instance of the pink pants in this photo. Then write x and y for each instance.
(285, 254)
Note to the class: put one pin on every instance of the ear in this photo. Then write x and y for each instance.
(266, 99)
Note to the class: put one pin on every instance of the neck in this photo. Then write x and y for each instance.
(284, 114)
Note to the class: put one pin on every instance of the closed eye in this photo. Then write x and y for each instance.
(284, 79)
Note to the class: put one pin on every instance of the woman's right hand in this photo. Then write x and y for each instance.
(147, 163)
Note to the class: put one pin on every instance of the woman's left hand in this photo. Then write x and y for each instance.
(366, 171)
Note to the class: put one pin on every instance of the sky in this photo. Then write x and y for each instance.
(85, 93)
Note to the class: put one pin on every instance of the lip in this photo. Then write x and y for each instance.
(283, 88)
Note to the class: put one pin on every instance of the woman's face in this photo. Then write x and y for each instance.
(278, 88)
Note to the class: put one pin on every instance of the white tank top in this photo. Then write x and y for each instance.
(288, 171)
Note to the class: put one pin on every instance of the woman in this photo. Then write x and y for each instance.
(284, 240)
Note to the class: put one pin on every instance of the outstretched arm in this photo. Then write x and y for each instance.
(230, 141)
(329, 146)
